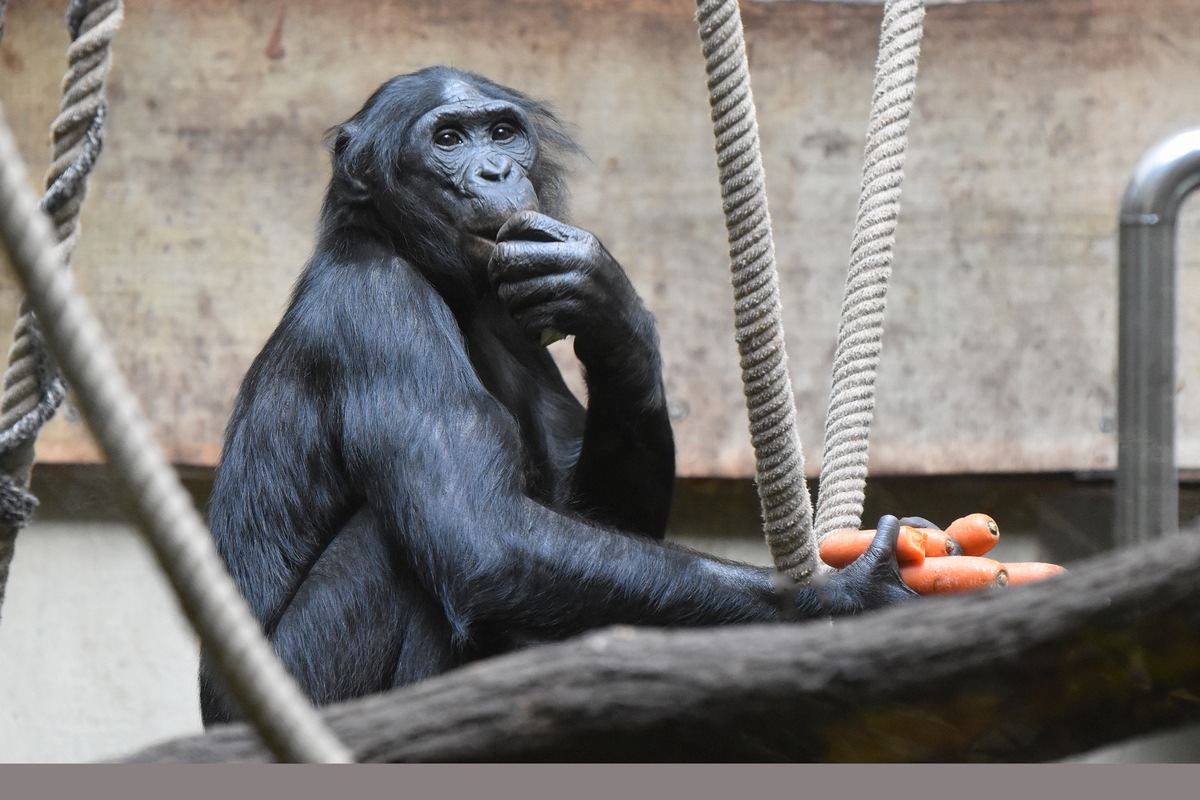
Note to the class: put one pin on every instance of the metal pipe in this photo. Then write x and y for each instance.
(1147, 491)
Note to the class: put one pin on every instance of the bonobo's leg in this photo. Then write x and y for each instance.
(359, 624)
(357, 615)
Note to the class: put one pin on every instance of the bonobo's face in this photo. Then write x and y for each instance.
(476, 153)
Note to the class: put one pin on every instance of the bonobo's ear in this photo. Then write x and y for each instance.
(347, 155)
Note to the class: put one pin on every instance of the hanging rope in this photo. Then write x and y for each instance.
(860, 334)
(16, 503)
(779, 460)
(288, 724)
(32, 388)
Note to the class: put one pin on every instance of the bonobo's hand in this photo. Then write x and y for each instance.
(555, 277)
(873, 579)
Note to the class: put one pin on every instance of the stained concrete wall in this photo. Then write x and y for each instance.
(1001, 345)
(1030, 118)
(96, 657)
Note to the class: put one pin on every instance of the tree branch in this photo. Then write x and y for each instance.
(1106, 652)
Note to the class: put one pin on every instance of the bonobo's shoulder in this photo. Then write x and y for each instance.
(365, 304)
(362, 278)
(348, 292)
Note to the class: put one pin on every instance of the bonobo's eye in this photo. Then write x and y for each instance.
(447, 137)
(504, 132)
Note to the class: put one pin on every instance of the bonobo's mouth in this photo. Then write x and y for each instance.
(486, 227)
(486, 236)
(481, 236)
(480, 243)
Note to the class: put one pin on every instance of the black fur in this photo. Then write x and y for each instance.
(406, 483)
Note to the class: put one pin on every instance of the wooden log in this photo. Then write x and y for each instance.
(1106, 652)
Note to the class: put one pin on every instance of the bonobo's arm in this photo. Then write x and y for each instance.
(437, 461)
(552, 276)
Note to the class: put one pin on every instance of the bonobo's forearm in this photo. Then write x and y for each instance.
(626, 469)
(563, 577)
(566, 577)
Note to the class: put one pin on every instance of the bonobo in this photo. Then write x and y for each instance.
(406, 483)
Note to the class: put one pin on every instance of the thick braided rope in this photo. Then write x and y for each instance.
(179, 538)
(77, 134)
(860, 334)
(32, 388)
(779, 460)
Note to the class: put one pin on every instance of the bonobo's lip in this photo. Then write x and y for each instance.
(482, 242)
(488, 232)
(484, 237)
(480, 246)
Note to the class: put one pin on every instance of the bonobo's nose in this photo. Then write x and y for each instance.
(496, 168)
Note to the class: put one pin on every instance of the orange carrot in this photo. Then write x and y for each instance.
(977, 533)
(953, 575)
(940, 543)
(1029, 571)
(842, 547)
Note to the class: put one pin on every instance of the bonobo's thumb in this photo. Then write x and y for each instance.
(887, 534)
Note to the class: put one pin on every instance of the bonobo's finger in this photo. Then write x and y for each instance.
(518, 260)
(518, 295)
(558, 317)
(887, 533)
(533, 226)
(873, 579)
(918, 522)
(563, 314)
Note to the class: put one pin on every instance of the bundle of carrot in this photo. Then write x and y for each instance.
(943, 562)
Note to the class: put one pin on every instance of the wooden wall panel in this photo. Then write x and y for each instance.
(1000, 352)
